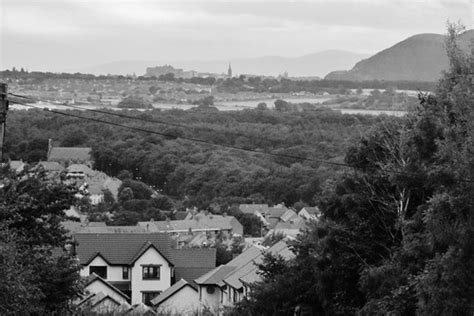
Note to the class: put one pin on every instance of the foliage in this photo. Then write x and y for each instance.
(396, 236)
(37, 275)
(134, 102)
(201, 174)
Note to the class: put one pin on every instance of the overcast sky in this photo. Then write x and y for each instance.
(61, 34)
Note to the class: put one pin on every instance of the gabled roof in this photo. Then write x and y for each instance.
(171, 291)
(49, 166)
(70, 153)
(280, 248)
(311, 210)
(201, 257)
(276, 212)
(95, 278)
(289, 214)
(246, 256)
(218, 275)
(199, 222)
(215, 276)
(113, 229)
(118, 249)
(252, 208)
(145, 248)
(191, 263)
(232, 278)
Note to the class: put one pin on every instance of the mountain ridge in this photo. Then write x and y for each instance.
(421, 57)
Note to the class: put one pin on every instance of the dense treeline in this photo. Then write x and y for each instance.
(397, 236)
(203, 174)
(233, 85)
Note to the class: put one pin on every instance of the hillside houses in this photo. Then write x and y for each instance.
(201, 224)
(280, 219)
(228, 284)
(69, 155)
(138, 266)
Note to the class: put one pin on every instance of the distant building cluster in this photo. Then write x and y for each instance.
(158, 71)
(167, 69)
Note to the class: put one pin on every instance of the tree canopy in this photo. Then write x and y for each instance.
(396, 235)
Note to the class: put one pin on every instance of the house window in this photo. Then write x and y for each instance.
(151, 272)
(125, 272)
(99, 270)
(148, 296)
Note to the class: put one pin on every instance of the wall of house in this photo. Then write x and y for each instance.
(211, 300)
(237, 228)
(105, 306)
(97, 286)
(303, 213)
(149, 257)
(114, 273)
(184, 302)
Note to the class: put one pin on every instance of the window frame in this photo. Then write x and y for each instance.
(125, 272)
(148, 274)
(151, 296)
(102, 275)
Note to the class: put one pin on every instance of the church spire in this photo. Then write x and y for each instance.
(229, 71)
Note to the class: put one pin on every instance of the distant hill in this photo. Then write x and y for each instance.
(420, 57)
(317, 64)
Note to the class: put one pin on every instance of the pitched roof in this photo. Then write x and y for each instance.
(113, 229)
(251, 275)
(218, 275)
(94, 277)
(215, 276)
(191, 263)
(80, 168)
(74, 227)
(201, 257)
(49, 166)
(118, 249)
(276, 212)
(311, 210)
(170, 292)
(70, 153)
(289, 214)
(252, 208)
(199, 222)
(233, 278)
(246, 256)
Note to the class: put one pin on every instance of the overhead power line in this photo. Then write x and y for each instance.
(143, 130)
(148, 120)
(139, 129)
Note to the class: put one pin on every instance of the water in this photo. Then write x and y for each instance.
(221, 106)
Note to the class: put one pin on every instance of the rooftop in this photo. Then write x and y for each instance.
(170, 291)
(70, 154)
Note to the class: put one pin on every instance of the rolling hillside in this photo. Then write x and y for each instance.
(420, 57)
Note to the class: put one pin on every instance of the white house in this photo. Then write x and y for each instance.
(140, 265)
(102, 297)
(180, 299)
(224, 285)
(309, 213)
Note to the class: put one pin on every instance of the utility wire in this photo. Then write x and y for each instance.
(322, 161)
(139, 129)
(144, 119)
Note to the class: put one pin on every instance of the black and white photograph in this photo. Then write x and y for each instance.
(236, 157)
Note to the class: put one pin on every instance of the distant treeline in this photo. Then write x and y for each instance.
(236, 84)
(201, 173)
